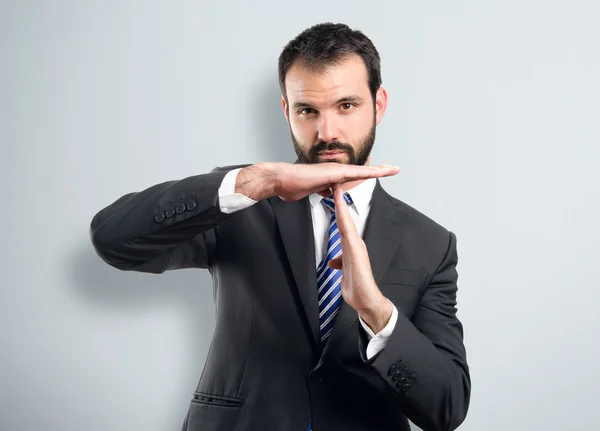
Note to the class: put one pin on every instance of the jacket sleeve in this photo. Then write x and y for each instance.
(167, 226)
(424, 363)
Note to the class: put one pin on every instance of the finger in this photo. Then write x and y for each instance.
(385, 170)
(335, 263)
(351, 173)
(345, 223)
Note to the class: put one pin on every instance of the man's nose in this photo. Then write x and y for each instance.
(328, 128)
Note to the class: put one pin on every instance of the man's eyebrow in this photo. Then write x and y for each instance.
(298, 105)
(346, 99)
(349, 99)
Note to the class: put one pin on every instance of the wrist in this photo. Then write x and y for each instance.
(378, 315)
(257, 182)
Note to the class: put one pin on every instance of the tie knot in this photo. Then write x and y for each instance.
(330, 202)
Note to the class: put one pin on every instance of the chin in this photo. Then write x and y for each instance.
(342, 160)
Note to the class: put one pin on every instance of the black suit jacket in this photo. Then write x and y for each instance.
(264, 369)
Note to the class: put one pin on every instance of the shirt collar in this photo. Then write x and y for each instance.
(361, 195)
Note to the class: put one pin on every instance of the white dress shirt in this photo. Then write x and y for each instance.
(230, 202)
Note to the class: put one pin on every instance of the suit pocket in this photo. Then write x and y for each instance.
(216, 400)
(213, 412)
(404, 287)
(405, 277)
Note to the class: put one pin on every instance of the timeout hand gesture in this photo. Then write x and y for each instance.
(359, 289)
(292, 182)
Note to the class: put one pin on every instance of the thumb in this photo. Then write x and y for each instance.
(335, 263)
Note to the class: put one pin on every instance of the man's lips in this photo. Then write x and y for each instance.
(330, 153)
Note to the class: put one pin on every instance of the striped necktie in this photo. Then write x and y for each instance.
(328, 279)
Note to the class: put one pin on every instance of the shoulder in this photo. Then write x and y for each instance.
(230, 167)
(424, 230)
(419, 219)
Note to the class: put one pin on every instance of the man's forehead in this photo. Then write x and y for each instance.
(347, 76)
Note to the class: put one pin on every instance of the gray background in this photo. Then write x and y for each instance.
(493, 119)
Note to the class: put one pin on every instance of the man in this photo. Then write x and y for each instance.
(335, 302)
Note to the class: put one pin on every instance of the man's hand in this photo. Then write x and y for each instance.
(292, 181)
(359, 289)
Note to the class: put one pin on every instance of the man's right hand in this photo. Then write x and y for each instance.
(293, 181)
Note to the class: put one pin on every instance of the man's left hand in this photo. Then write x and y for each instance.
(359, 289)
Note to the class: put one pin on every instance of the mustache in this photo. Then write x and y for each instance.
(331, 146)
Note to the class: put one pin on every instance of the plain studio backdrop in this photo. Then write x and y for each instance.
(493, 118)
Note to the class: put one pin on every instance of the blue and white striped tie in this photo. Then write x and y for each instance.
(328, 279)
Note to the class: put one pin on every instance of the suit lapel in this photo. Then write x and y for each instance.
(382, 231)
(294, 220)
(381, 236)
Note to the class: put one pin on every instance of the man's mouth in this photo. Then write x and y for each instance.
(330, 153)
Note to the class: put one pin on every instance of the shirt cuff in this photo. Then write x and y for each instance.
(378, 341)
(229, 201)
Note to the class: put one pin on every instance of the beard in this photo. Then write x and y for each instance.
(356, 156)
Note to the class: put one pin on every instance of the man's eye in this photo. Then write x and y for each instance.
(306, 111)
(347, 106)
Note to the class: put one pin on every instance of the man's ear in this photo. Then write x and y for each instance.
(381, 101)
(284, 106)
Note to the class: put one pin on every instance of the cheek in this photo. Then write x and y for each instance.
(303, 130)
(359, 124)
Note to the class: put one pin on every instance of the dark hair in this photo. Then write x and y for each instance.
(326, 44)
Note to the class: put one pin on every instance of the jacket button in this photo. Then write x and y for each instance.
(396, 376)
(393, 369)
(404, 388)
(169, 212)
(191, 205)
(159, 217)
(180, 208)
(317, 377)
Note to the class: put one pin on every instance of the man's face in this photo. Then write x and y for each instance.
(331, 114)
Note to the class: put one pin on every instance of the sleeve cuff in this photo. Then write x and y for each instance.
(377, 342)
(229, 201)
